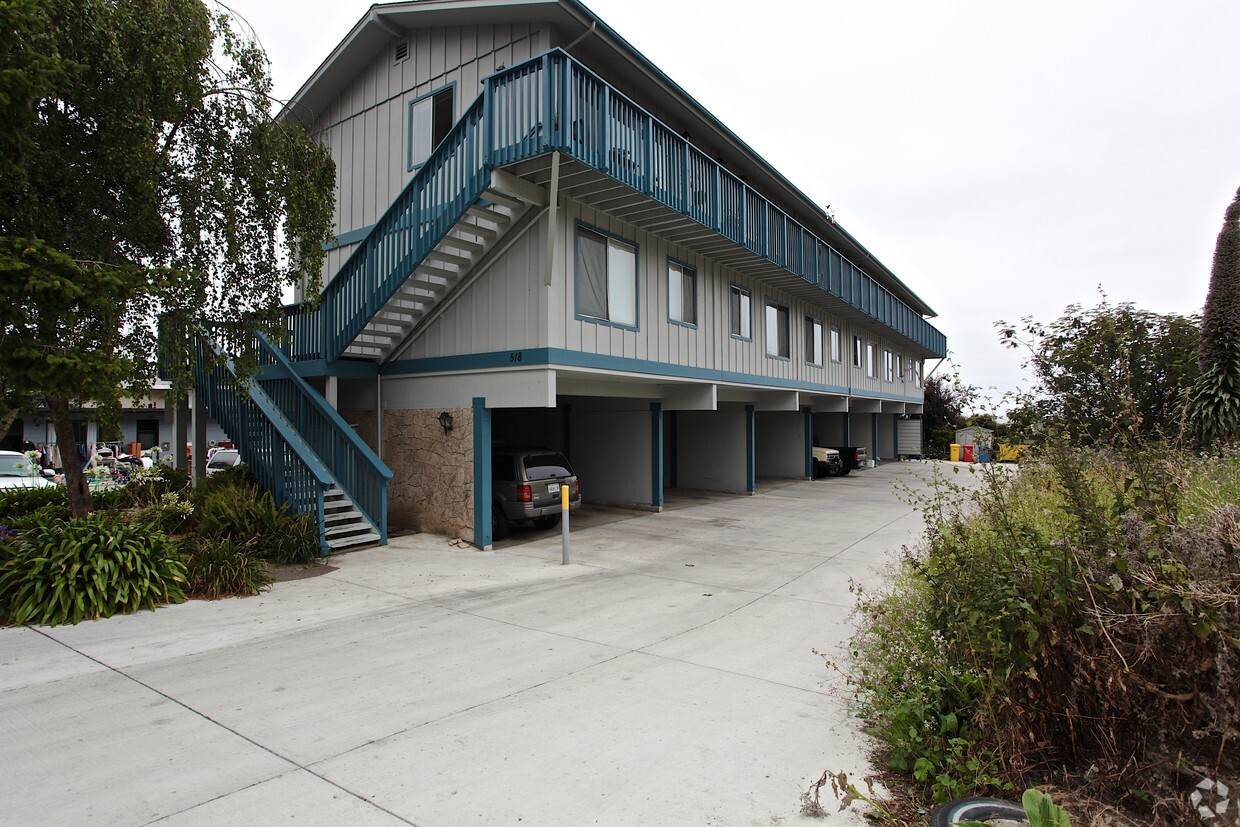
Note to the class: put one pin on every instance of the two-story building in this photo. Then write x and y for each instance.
(543, 240)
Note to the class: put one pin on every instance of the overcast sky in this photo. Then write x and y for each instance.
(1003, 158)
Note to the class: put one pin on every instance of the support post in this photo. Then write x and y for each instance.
(199, 417)
(180, 440)
(482, 474)
(807, 413)
(656, 455)
(751, 484)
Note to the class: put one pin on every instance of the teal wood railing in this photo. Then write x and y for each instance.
(271, 448)
(554, 102)
(354, 466)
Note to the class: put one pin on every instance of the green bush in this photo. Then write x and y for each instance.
(231, 505)
(22, 508)
(224, 568)
(1063, 620)
(74, 570)
(171, 514)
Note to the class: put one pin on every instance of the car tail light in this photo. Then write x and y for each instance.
(576, 488)
(524, 494)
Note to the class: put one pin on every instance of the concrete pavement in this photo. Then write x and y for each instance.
(666, 677)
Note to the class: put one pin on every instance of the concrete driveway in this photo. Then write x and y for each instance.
(666, 677)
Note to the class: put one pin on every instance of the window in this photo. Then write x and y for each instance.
(856, 351)
(835, 344)
(900, 367)
(871, 360)
(777, 343)
(916, 367)
(813, 341)
(889, 365)
(681, 293)
(741, 314)
(430, 120)
(606, 278)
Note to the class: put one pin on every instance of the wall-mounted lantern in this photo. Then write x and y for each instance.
(445, 419)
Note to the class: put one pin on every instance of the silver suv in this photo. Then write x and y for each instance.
(526, 487)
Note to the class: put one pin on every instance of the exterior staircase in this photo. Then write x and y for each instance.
(476, 232)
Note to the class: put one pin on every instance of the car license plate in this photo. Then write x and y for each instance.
(553, 489)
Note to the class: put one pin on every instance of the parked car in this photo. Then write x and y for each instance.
(223, 458)
(16, 472)
(826, 462)
(851, 456)
(526, 488)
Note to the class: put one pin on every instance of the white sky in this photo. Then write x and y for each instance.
(1003, 158)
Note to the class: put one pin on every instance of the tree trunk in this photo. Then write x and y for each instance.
(6, 421)
(75, 480)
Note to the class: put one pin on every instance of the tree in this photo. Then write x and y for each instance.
(942, 413)
(1212, 406)
(143, 176)
(1106, 375)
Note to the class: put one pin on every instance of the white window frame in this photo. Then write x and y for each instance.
(836, 342)
(422, 123)
(889, 364)
(857, 352)
(871, 360)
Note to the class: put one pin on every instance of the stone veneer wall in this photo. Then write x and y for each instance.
(432, 487)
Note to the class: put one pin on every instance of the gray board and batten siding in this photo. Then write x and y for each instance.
(366, 128)
(509, 307)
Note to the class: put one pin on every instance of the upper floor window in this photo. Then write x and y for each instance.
(430, 120)
(900, 367)
(606, 278)
(889, 365)
(871, 360)
(813, 341)
(741, 313)
(856, 351)
(916, 368)
(777, 338)
(835, 344)
(681, 293)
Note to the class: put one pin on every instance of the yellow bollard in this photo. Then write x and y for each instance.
(564, 524)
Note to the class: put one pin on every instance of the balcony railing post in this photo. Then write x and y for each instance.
(605, 130)
(686, 187)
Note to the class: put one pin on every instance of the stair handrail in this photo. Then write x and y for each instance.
(342, 451)
(270, 477)
(447, 184)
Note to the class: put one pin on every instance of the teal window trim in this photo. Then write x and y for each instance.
(637, 282)
(735, 289)
(810, 322)
(858, 352)
(688, 268)
(777, 306)
(410, 166)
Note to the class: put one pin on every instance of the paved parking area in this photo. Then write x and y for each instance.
(666, 677)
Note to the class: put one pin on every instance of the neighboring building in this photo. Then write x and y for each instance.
(543, 237)
(145, 421)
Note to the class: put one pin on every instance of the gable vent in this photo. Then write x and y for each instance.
(402, 51)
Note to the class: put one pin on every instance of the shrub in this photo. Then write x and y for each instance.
(231, 505)
(73, 570)
(1078, 619)
(170, 514)
(224, 568)
(25, 507)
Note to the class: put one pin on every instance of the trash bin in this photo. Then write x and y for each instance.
(966, 453)
(955, 454)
